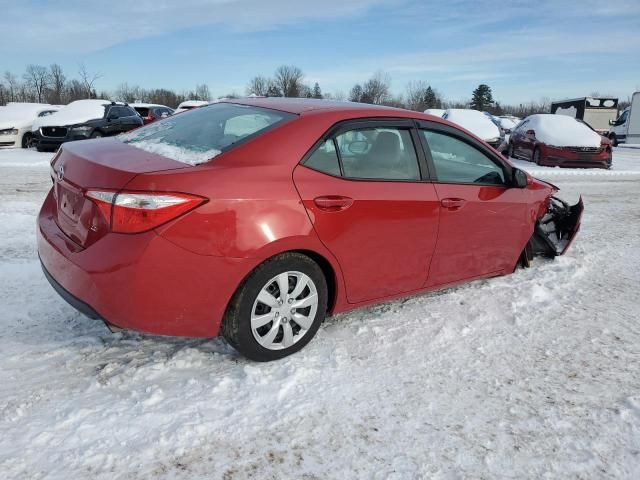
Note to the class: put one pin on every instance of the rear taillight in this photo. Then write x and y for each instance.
(136, 212)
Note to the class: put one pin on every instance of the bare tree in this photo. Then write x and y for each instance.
(376, 89)
(12, 85)
(36, 78)
(58, 81)
(288, 80)
(88, 79)
(258, 85)
(421, 96)
(202, 92)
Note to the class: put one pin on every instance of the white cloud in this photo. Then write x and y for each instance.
(84, 25)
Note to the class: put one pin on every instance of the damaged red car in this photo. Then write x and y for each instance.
(256, 218)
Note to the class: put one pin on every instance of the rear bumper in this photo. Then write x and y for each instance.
(139, 282)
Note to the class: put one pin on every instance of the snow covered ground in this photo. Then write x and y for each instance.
(534, 375)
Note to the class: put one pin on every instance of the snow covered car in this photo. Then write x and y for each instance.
(189, 104)
(150, 112)
(438, 112)
(559, 140)
(477, 123)
(16, 120)
(84, 119)
(255, 218)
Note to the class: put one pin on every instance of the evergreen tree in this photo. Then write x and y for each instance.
(482, 98)
(317, 93)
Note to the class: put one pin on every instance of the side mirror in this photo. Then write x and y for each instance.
(520, 179)
(112, 116)
(531, 133)
(612, 122)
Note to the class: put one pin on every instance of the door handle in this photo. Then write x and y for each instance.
(453, 203)
(333, 203)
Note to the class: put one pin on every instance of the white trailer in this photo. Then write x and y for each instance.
(594, 111)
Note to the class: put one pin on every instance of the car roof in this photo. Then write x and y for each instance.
(301, 105)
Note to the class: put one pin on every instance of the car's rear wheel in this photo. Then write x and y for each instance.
(278, 308)
(614, 140)
(536, 156)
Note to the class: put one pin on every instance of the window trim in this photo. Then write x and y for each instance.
(344, 126)
(507, 169)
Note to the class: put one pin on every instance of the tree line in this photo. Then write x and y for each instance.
(51, 85)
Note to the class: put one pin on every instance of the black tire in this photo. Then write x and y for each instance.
(27, 140)
(535, 158)
(236, 324)
(96, 134)
(614, 140)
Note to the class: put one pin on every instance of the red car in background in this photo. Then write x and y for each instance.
(151, 112)
(255, 218)
(559, 140)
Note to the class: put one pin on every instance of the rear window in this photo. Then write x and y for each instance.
(199, 135)
(142, 111)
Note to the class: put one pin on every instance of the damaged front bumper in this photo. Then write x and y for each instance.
(555, 231)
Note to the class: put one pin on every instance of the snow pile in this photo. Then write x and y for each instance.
(474, 121)
(562, 131)
(506, 123)
(20, 115)
(181, 154)
(79, 111)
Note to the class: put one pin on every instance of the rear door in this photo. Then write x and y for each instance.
(364, 188)
(483, 226)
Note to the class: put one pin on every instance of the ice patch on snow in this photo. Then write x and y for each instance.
(181, 154)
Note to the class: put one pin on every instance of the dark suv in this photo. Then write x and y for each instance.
(85, 119)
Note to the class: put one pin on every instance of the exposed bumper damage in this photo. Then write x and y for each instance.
(555, 231)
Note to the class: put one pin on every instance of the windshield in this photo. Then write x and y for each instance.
(200, 134)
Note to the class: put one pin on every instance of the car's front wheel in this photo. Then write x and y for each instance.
(278, 308)
(536, 156)
(27, 140)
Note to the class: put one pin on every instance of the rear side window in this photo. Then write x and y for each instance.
(142, 111)
(199, 135)
(378, 153)
(325, 159)
(456, 161)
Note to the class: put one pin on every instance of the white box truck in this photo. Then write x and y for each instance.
(626, 128)
(596, 112)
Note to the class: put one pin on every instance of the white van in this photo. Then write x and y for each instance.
(626, 128)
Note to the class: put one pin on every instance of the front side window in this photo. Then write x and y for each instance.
(378, 153)
(199, 135)
(456, 161)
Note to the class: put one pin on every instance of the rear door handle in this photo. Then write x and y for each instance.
(333, 203)
(453, 203)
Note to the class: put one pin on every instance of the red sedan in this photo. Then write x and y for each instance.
(559, 140)
(255, 218)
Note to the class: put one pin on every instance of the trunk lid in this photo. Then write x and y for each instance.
(97, 164)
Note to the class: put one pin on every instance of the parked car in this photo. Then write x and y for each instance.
(84, 119)
(200, 225)
(505, 124)
(438, 112)
(151, 112)
(626, 128)
(16, 120)
(559, 140)
(189, 104)
(477, 123)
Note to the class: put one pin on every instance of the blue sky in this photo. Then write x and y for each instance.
(524, 50)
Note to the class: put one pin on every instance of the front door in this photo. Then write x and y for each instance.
(482, 217)
(364, 193)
